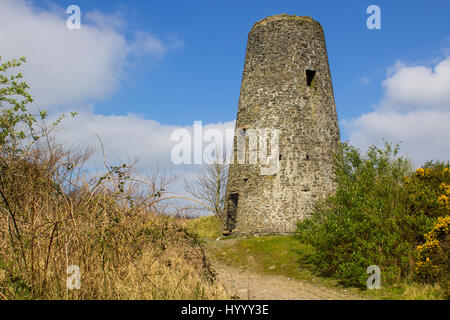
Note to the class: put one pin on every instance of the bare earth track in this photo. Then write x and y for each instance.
(254, 286)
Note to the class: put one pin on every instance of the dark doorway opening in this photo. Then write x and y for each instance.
(233, 200)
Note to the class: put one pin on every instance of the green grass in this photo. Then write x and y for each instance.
(261, 254)
(205, 227)
(287, 256)
(272, 255)
(407, 291)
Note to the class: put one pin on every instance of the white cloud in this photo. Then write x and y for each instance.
(128, 137)
(66, 67)
(418, 87)
(415, 111)
(104, 21)
(147, 44)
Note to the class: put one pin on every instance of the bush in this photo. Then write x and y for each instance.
(376, 217)
(433, 254)
(54, 215)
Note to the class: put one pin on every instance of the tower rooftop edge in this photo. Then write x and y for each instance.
(284, 16)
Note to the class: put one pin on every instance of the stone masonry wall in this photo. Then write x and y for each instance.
(275, 95)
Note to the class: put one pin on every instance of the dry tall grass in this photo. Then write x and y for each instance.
(52, 217)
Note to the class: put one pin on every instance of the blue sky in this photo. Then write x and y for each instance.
(201, 79)
(138, 70)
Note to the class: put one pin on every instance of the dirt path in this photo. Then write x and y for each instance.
(254, 286)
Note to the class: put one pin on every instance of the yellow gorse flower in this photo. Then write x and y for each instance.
(443, 200)
(424, 265)
(445, 188)
(420, 172)
(427, 266)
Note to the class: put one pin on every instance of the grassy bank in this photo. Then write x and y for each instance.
(69, 233)
(204, 227)
(287, 256)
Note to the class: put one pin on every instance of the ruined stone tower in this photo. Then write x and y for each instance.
(286, 86)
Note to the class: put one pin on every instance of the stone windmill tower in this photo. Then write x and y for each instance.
(286, 86)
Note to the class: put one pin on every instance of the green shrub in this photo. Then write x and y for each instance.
(370, 220)
(433, 253)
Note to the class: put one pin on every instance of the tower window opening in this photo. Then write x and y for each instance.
(310, 74)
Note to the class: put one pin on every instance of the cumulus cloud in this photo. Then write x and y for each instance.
(128, 136)
(418, 87)
(104, 21)
(415, 111)
(66, 67)
(132, 137)
(70, 69)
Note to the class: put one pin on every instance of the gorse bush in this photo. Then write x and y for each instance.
(54, 215)
(433, 254)
(426, 188)
(377, 216)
